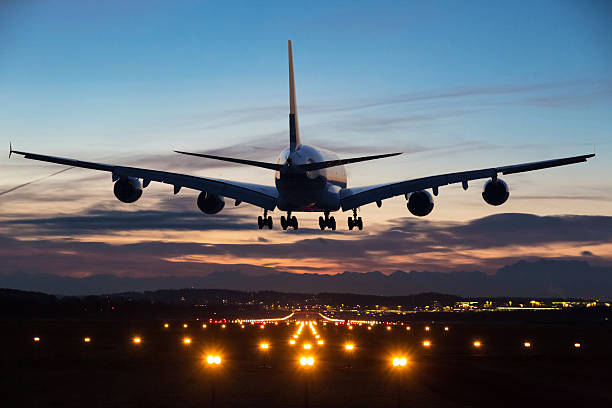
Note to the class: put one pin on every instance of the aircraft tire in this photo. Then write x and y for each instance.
(294, 222)
(332, 223)
(350, 223)
(260, 223)
(322, 223)
(359, 223)
(269, 222)
(284, 223)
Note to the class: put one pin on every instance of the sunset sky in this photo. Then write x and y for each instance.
(454, 85)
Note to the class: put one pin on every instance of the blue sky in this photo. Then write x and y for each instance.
(455, 85)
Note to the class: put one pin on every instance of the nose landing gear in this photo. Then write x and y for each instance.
(355, 221)
(327, 222)
(289, 221)
(265, 221)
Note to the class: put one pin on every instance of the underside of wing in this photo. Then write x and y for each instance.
(355, 197)
(256, 194)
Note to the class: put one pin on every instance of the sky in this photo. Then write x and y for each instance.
(454, 85)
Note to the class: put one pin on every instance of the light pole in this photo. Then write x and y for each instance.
(399, 363)
(212, 362)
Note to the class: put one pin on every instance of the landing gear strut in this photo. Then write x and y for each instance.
(289, 221)
(327, 222)
(355, 221)
(265, 221)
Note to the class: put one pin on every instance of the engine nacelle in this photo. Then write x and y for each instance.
(420, 203)
(210, 203)
(495, 192)
(127, 189)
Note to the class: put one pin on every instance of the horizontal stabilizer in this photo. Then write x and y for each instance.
(271, 166)
(341, 162)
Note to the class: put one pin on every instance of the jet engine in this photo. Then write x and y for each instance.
(495, 192)
(420, 203)
(127, 189)
(210, 203)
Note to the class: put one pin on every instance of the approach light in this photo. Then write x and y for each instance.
(399, 361)
(166, 325)
(261, 327)
(223, 326)
(527, 344)
(320, 342)
(36, 338)
(184, 325)
(317, 336)
(350, 327)
(137, 340)
(577, 345)
(210, 359)
(264, 346)
(388, 327)
(307, 346)
(187, 341)
(427, 328)
(408, 328)
(369, 327)
(292, 342)
(349, 347)
(477, 344)
(204, 326)
(87, 339)
(242, 326)
(426, 343)
(446, 328)
(306, 361)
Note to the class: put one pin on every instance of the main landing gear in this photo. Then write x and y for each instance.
(355, 221)
(289, 221)
(265, 221)
(327, 222)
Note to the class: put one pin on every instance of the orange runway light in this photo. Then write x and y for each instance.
(306, 361)
(137, 340)
(264, 346)
(242, 326)
(477, 344)
(216, 360)
(408, 328)
(350, 327)
(388, 327)
(185, 325)
(87, 340)
(349, 347)
(445, 328)
(166, 325)
(223, 326)
(36, 338)
(399, 361)
(262, 326)
(307, 346)
(292, 342)
(186, 341)
(577, 345)
(204, 326)
(526, 344)
(426, 343)
(427, 328)
(320, 342)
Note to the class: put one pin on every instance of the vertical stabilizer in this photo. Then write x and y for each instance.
(294, 130)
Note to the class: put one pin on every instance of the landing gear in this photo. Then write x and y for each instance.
(289, 221)
(327, 222)
(355, 221)
(265, 221)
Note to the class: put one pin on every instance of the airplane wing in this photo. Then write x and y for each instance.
(256, 194)
(355, 197)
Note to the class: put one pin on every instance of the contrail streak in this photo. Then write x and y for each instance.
(34, 181)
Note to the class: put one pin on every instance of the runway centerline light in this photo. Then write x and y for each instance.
(306, 361)
(577, 345)
(166, 325)
(36, 338)
(87, 339)
(408, 328)
(427, 328)
(137, 340)
(446, 328)
(388, 327)
(187, 341)
(349, 347)
(320, 342)
(213, 359)
(399, 361)
(426, 343)
(184, 325)
(223, 326)
(262, 326)
(527, 344)
(307, 346)
(292, 342)
(477, 344)
(264, 346)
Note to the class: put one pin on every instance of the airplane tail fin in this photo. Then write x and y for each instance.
(294, 130)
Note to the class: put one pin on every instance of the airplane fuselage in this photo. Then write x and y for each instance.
(317, 190)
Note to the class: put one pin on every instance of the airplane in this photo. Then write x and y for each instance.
(307, 179)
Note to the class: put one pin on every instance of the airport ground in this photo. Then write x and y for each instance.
(111, 370)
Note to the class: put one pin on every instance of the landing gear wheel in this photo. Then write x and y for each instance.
(260, 222)
(269, 222)
(359, 223)
(294, 222)
(332, 223)
(350, 223)
(284, 223)
(322, 223)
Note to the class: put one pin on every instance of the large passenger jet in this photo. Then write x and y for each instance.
(307, 179)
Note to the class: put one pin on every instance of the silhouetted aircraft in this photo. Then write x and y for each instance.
(307, 179)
